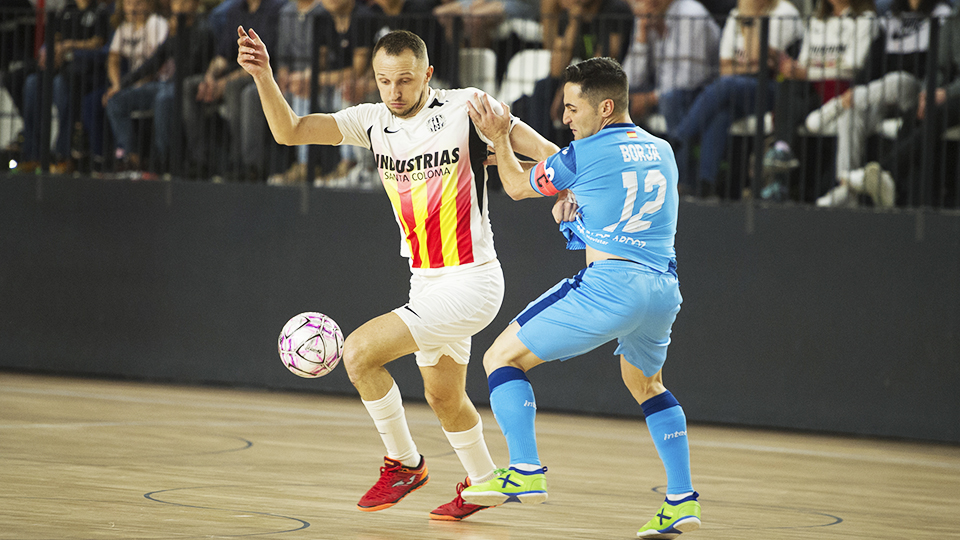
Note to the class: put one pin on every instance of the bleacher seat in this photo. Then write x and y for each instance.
(523, 71)
(478, 68)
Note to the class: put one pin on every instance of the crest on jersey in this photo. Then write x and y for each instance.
(436, 122)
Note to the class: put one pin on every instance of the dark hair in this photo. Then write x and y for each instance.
(903, 6)
(857, 8)
(600, 79)
(397, 41)
(119, 17)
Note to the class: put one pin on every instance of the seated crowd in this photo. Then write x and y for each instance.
(845, 85)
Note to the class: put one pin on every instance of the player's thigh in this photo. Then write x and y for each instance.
(645, 346)
(378, 341)
(579, 314)
(445, 311)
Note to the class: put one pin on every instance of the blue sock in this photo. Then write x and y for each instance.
(668, 427)
(513, 404)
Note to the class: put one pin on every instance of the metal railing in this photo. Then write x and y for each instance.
(60, 103)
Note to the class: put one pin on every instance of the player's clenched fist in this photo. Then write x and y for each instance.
(252, 56)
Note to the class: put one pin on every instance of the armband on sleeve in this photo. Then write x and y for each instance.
(541, 179)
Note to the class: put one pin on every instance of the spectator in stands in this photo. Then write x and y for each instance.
(884, 7)
(294, 53)
(550, 11)
(835, 48)
(347, 37)
(217, 16)
(223, 82)
(859, 110)
(345, 40)
(17, 26)
(151, 86)
(733, 95)
(720, 7)
(482, 17)
(417, 16)
(83, 28)
(139, 31)
(585, 29)
(902, 166)
(674, 54)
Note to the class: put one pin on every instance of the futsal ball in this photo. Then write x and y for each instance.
(310, 345)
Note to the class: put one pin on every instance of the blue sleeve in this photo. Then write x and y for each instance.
(556, 173)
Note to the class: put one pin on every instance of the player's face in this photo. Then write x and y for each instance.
(133, 9)
(339, 6)
(402, 81)
(183, 7)
(583, 118)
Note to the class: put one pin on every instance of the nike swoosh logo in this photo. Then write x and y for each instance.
(387, 130)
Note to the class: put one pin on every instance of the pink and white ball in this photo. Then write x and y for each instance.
(310, 345)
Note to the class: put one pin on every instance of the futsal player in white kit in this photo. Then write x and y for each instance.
(430, 160)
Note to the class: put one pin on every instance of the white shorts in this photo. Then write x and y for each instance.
(445, 311)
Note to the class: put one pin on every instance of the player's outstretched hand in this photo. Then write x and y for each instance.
(491, 117)
(253, 56)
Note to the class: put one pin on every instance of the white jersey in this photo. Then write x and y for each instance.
(837, 47)
(137, 44)
(431, 166)
(910, 32)
(786, 28)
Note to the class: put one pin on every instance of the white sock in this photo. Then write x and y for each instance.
(678, 496)
(387, 414)
(526, 467)
(473, 453)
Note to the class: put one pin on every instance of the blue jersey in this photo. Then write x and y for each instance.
(625, 182)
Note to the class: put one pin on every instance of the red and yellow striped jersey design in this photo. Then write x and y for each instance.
(431, 168)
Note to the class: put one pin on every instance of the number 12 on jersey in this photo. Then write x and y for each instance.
(634, 224)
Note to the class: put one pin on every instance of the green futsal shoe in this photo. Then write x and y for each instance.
(674, 517)
(509, 485)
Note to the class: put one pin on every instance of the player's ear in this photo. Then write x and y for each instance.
(429, 73)
(606, 108)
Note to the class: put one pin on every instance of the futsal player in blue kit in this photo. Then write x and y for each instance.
(623, 182)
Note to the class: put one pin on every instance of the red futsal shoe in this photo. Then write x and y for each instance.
(396, 482)
(457, 509)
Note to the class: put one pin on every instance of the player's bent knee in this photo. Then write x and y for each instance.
(448, 400)
(357, 358)
(641, 387)
(493, 360)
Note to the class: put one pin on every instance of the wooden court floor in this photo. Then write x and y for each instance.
(91, 459)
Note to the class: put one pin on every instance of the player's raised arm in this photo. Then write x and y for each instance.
(496, 128)
(527, 142)
(286, 126)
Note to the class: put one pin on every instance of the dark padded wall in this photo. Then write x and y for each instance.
(841, 321)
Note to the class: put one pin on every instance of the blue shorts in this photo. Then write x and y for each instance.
(609, 299)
